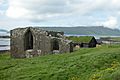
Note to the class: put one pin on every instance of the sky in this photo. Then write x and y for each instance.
(68, 13)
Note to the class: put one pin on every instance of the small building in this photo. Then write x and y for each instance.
(83, 41)
(99, 41)
(30, 42)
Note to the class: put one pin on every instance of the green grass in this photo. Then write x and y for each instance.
(115, 38)
(102, 63)
(80, 39)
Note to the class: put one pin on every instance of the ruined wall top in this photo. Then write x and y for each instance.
(35, 30)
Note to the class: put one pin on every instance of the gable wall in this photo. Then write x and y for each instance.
(17, 43)
(93, 42)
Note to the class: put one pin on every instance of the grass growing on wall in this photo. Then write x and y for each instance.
(80, 39)
(102, 63)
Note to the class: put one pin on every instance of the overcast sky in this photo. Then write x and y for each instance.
(17, 13)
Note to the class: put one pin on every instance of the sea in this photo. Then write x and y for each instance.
(4, 44)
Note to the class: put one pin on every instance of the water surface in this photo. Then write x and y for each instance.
(4, 43)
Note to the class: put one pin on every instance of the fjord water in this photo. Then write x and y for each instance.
(4, 43)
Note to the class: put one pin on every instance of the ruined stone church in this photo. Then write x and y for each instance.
(33, 41)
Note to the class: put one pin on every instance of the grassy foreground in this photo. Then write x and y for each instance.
(101, 63)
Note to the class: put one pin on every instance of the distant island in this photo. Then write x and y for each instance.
(4, 33)
(77, 30)
(3, 30)
(86, 30)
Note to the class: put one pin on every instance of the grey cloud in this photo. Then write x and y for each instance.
(35, 10)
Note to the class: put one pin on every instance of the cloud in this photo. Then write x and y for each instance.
(36, 10)
(1, 12)
(102, 11)
(1, 2)
(111, 22)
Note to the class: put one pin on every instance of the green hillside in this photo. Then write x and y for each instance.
(102, 63)
(86, 30)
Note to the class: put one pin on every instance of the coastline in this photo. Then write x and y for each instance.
(4, 45)
(4, 51)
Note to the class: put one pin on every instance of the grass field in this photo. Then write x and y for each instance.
(102, 63)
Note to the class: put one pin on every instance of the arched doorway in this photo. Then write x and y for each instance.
(28, 40)
(55, 44)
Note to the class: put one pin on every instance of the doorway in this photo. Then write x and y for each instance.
(55, 44)
(28, 40)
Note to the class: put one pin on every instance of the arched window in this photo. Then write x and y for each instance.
(28, 40)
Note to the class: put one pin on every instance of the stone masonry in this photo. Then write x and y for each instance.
(33, 41)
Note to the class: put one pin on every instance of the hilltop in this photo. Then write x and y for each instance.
(102, 63)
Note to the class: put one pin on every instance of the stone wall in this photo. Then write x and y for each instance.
(42, 42)
(17, 43)
(66, 46)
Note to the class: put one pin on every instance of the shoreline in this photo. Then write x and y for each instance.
(4, 36)
(4, 51)
(4, 45)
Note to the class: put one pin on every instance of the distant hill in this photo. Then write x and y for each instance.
(3, 30)
(81, 30)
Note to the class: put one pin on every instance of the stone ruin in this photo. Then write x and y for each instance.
(33, 41)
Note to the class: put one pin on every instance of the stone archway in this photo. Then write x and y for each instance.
(28, 40)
